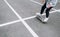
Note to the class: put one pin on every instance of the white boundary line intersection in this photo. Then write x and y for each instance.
(23, 20)
(25, 24)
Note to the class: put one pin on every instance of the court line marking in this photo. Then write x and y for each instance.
(24, 18)
(39, 3)
(43, 14)
(5, 24)
(25, 24)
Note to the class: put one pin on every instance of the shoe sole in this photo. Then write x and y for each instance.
(39, 18)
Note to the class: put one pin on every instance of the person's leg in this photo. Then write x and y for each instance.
(47, 14)
(39, 15)
(43, 8)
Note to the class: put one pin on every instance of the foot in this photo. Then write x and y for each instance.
(39, 16)
(45, 20)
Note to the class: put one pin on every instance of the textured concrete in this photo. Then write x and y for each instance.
(51, 29)
(26, 8)
(14, 30)
(6, 14)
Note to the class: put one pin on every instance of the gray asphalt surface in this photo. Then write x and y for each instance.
(25, 9)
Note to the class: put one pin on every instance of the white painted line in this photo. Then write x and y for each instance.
(25, 24)
(5, 24)
(39, 3)
(12, 9)
(54, 11)
(29, 18)
(43, 14)
(36, 2)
